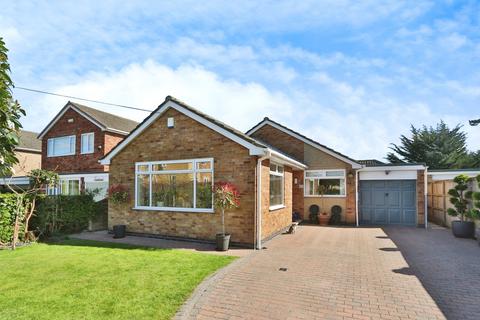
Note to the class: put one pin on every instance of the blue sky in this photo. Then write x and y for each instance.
(351, 74)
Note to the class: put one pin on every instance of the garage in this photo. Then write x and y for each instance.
(391, 195)
(388, 202)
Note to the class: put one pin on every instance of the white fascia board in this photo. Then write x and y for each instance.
(354, 164)
(253, 149)
(62, 112)
(100, 175)
(441, 173)
(283, 159)
(15, 181)
(450, 175)
(392, 168)
(116, 131)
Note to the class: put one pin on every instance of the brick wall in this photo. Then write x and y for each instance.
(187, 140)
(27, 161)
(297, 194)
(103, 143)
(315, 159)
(78, 162)
(280, 140)
(274, 221)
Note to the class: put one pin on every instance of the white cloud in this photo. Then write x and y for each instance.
(146, 85)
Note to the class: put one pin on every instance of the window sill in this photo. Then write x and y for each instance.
(192, 210)
(277, 207)
(60, 155)
(327, 196)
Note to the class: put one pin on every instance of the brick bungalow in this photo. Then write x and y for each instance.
(169, 162)
(369, 192)
(74, 141)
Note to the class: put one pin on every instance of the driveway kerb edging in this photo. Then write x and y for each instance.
(189, 309)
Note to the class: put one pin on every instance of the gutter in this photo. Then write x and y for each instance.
(258, 211)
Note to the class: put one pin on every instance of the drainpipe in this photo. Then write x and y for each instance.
(258, 219)
(425, 178)
(356, 197)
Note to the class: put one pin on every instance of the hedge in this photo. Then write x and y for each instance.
(8, 203)
(66, 214)
(54, 215)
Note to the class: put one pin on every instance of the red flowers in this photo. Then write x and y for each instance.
(118, 193)
(226, 195)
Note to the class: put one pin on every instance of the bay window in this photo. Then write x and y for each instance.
(277, 186)
(179, 185)
(329, 183)
(61, 146)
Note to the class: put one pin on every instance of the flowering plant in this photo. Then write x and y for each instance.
(226, 196)
(118, 193)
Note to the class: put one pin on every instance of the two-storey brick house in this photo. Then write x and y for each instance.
(74, 141)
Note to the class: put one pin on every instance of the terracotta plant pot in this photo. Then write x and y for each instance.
(323, 219)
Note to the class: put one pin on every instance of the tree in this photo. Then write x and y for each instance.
(10, 113)
(26, 202)
(226, 196)
(438, 147)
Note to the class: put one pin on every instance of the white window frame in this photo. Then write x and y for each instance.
(193, 171)
(87, 135)
(324, 177)
(278, 174)
(57, 190)
(50, 151)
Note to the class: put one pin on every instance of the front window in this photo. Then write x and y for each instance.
(181, 185)
(325, 183)
(61, 146)
(65, 187)
(87, 143)
(276, 186)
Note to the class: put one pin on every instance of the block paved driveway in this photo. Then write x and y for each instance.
(346, 273)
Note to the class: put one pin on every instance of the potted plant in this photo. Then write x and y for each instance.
(323, 216)
(459, 198)
(226, 197)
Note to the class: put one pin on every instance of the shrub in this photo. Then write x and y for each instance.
(8, 202)
(66, 214)
(459, 197)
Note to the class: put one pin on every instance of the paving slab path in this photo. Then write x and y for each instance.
(343, 273)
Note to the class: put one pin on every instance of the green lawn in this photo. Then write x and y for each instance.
(77, 279)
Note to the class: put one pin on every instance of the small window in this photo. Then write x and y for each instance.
(87, 142)
(61, 146)
(277, 186)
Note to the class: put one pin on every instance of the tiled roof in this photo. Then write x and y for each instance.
(370, 162)
(29, 141)
(217, 122)
(108, 120)
(266, 119)
(188, 108)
